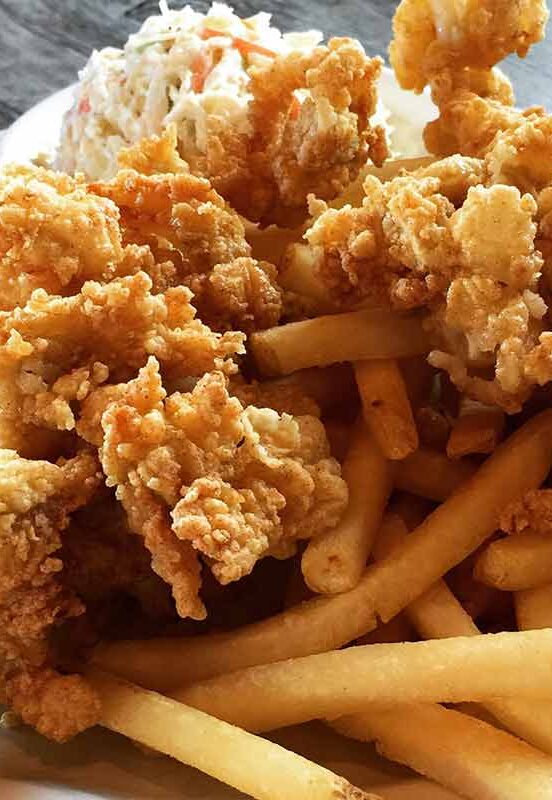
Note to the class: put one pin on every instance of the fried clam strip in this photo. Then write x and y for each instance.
(433, 35)
(473, 262)
(55, 234)
(196, 238)
(443, 540)
(37, 498)
(453, 47)
(199, 473)
(311, 132)
(255, 766)
(437, 614)
(55, 351)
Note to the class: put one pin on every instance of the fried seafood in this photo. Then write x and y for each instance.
(197, 239)
(435, 35)
(55, 351)
(310, 133)
(37, 498)
(453, 47)
(441, 238)
(199, 473)
(266, 118)
(56, 235)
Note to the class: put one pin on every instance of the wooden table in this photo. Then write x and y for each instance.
(43, 43)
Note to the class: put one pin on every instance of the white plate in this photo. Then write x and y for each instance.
(100, 765)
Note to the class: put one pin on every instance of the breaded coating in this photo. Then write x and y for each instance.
(532, 513)
(196, 239)
(55, 235)
(54, 351)
(199, 473)
(442, 239)
(37, 500)
(310, 133)
(452, 47)
(435, 35)
(284, 396)
(397, 247)
(242, 295)
(154, 155)
(185, 222)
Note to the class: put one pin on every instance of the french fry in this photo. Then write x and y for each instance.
(299, 274)
(464, 754)
(329, 685)
(476, 432)
(397, 629)
(329, 339)
(431, 474)
(534, 608)
(386, 407)
(437, 614)
(516, 562)
(270, 243)
(335, 560)
(446, 537)
(250, 764)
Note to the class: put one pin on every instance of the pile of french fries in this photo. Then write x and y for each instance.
(383, 647)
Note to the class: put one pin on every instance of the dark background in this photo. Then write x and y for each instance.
(43, 43)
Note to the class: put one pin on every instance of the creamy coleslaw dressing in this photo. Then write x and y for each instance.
(127, 94)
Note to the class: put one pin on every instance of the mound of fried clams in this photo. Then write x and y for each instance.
(141, 466)
(111, 378)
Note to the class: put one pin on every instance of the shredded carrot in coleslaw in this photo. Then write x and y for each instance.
(243, 45)
(201, 68)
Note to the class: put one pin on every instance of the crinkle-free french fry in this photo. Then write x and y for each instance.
(335, 560)
(259, 768)
(437, 614)
(386, 407)
(522, 561)
(476, 432)
(329, 685)
(353, 336)
(270, 243)
(446, 537)
(534, 608)
(465, 754)
(431, 474)
(299, 273)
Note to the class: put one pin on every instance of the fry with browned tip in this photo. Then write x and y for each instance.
(255, 766)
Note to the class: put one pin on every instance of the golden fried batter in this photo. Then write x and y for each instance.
(37, 498)
(532, 513)
(449, 238)
(55, 235)
(431, 36)
(453, 46)
(54, 351)
(198, 472)
(311, 133)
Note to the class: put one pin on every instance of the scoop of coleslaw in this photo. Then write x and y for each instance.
(182, 67)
